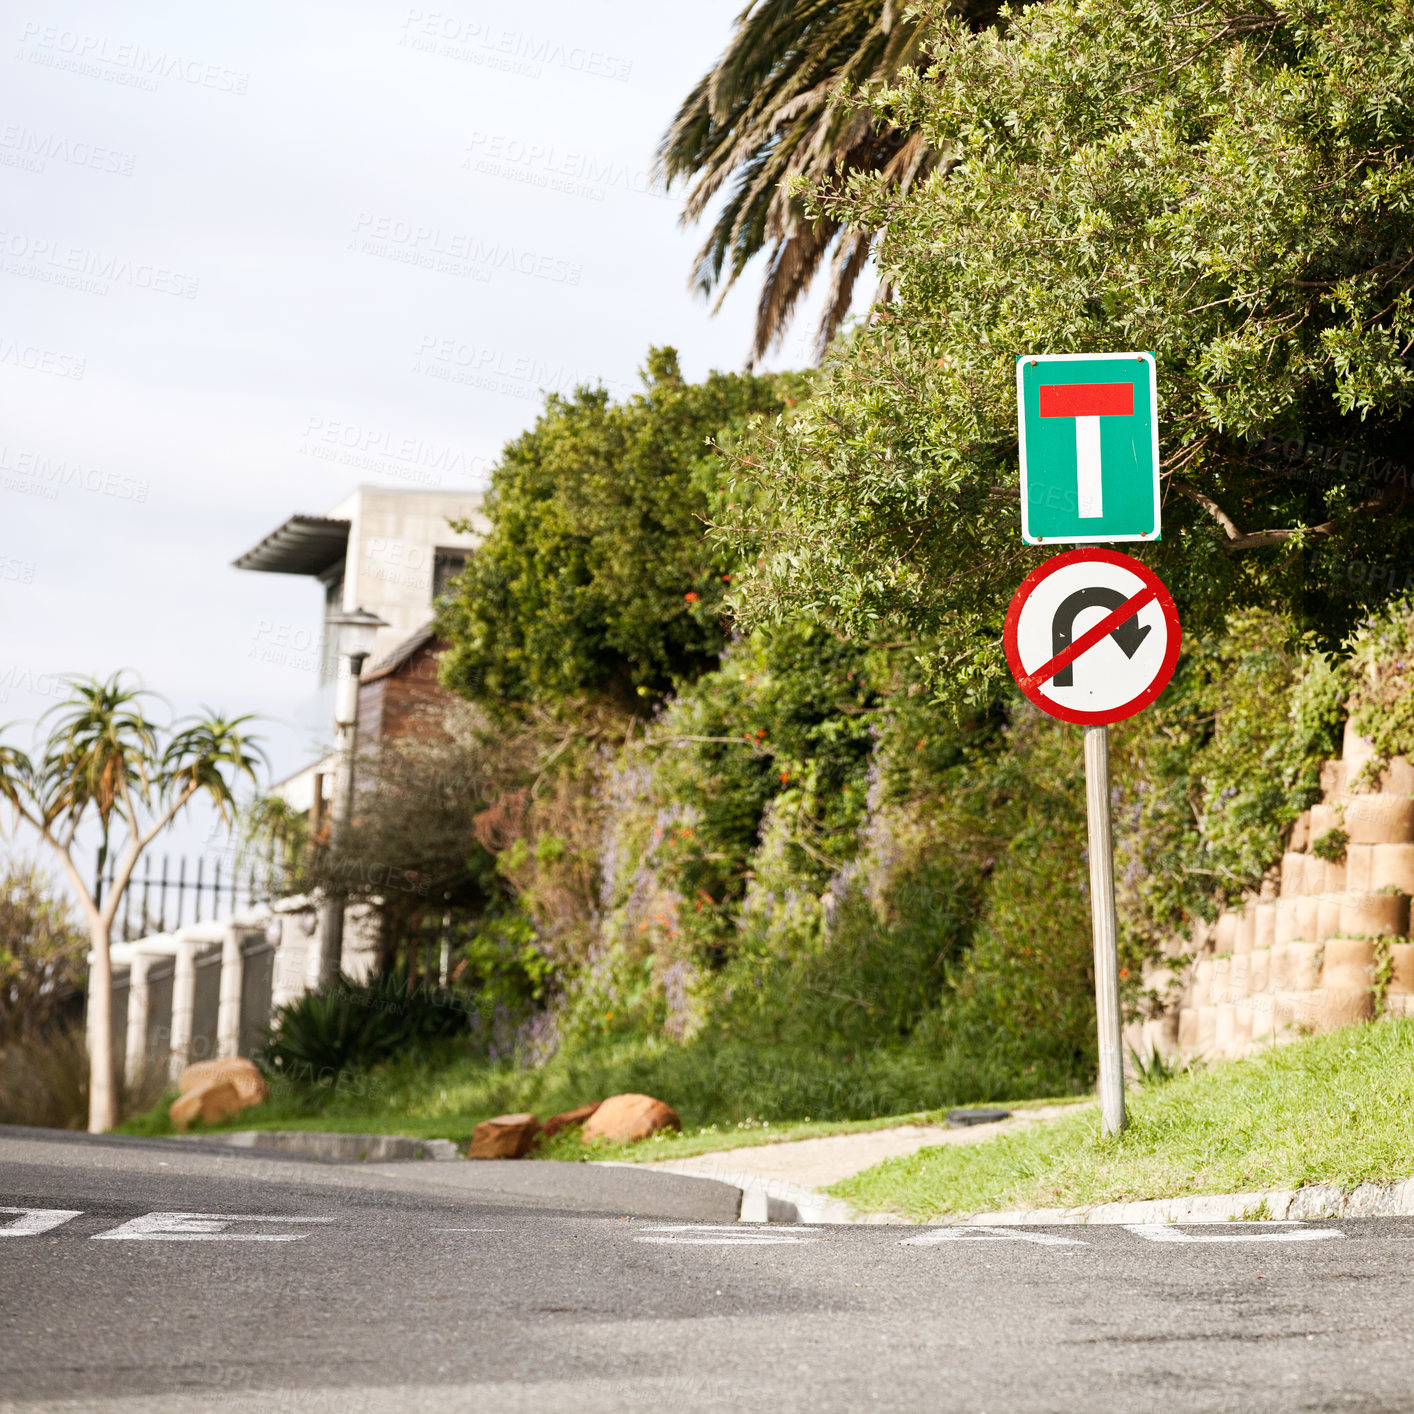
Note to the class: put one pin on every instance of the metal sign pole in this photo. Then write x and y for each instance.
(1102, 905)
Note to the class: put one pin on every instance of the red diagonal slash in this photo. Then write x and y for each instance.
(1090, 638)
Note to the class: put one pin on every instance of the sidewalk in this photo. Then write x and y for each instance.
(777, 1177)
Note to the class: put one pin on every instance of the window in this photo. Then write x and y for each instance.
(446, 566)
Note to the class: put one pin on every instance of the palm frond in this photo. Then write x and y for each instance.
(781, 106)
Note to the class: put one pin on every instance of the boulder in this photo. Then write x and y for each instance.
(505, 1137)
(625, 1119)
(569, 1119)
(215, 1090)
(243, 1074)
(217, 1100)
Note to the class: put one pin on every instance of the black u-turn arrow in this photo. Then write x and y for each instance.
(1129, 635)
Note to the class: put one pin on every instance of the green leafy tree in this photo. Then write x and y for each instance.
(597, 576)
(1227, 185)
(41, 952)
(105, 761)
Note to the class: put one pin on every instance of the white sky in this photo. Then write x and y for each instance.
(219, 313)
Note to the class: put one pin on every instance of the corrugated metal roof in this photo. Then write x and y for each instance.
(303, 545)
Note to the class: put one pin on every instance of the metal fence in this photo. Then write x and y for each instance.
(158, 901)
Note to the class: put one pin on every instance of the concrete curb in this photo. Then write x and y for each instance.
(343, 1148)
(771, 1200)
(1318, 1200)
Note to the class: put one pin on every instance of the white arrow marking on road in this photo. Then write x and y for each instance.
(201, 1227)
(1167, 1232)
(726, 1235)
(35, 1220)
(988, 1234)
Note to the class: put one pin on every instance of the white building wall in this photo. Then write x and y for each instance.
(393, 538)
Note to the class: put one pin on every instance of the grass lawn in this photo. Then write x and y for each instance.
(726, 1098)
(1329, 1109)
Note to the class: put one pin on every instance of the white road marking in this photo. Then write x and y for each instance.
(36, 1220)
(201, 1227)
(727, 1234)
(1168, 1232)
(989, 1234)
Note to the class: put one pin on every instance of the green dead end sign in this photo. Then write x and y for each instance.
(1089, 432)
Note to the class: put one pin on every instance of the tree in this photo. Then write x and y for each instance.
(1225, 184)
(41, 952)
(104, 759)
(597, 576)
(778, 108)
(410, 850)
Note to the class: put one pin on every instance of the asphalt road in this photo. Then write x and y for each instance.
(292, 1286)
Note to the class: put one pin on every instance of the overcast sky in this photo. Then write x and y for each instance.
(216, 233)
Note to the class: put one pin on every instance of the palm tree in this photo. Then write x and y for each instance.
(104, 758)
(779, 105)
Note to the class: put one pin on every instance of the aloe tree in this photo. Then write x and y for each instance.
(103, 759)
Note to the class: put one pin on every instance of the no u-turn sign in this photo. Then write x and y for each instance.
(1092, 636)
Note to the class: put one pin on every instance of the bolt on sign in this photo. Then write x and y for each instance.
(1089, 431)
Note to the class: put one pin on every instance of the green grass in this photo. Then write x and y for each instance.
(1330, 1109)
(727, 1095)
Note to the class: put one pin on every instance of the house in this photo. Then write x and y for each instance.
(208, 987)
(392, 552)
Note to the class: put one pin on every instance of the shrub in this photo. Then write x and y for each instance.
(41, 954)
(353, 1025)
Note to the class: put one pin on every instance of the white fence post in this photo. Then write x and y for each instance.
(228, 1015)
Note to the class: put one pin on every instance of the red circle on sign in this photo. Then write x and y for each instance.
(1031, 683)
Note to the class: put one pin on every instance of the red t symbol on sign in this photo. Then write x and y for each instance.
(1087, 403)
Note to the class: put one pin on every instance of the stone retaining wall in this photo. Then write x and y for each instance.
(1325, 942)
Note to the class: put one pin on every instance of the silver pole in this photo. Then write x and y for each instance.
(1102, 906)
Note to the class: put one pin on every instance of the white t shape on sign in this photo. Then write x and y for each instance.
(1087, 403)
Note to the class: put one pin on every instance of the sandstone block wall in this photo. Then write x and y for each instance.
(1326, 942)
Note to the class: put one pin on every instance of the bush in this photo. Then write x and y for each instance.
(354, 1025)
(44, 1081)
(41, 954)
